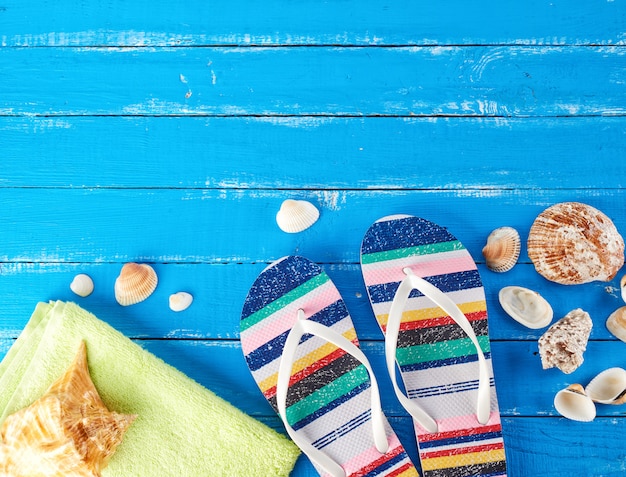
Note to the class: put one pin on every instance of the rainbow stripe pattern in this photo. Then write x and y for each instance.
(329, 390)
(437, 361)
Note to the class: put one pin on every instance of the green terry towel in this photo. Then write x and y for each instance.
(182, 429)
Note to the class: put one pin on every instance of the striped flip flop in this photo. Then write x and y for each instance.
(429, 300)
(301, 347)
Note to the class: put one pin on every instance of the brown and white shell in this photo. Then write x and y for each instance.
(608, 387)
(573, 243)
(573, 403)
(502, 249)
(563, 344)
(68, 432)
(616, 323)
(135, 283)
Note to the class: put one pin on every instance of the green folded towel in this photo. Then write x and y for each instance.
(182, 429)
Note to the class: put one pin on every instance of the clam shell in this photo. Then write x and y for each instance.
(135, 283)
(502, 249)
(574, 404)
(608, 387)
(82, 285)
(563, 344)
(296, 215)
(67, 432)
(616, 323)
(573, 243)
(526, 306)
(622, 285)
(180, 301)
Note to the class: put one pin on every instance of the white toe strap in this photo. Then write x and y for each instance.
(398, 304)
(300, 328)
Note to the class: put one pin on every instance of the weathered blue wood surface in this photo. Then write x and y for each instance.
(142, 131)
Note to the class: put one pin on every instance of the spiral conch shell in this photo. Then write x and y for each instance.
(68, 432)
(502, 249)
(573, 243)
(135, 283)
(296, 215)
(563, 344)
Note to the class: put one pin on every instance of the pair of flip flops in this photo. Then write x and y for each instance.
(300, 344)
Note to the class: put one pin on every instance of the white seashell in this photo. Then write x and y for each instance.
(296, 215)
(608, 387)
(526, 306)
(82, 285)
(574, 404)
(563, 344)
(622, 285)
(616, 323)
(502, 249)
(135, 283)
(180, 301)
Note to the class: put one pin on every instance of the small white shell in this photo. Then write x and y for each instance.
(608, 387)
(296, 215)
(526, 306)
(616, 323)
(622, 285)
(82, 285)
(502, 249)
(180, 301)
(574, 404)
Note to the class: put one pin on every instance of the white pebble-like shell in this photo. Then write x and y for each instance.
(180, 301)
(135, 283)
(296, 215)
(616, 323)
(82, 285)
(608, 387)
(574, 404)
(502, 249)
(526, 306)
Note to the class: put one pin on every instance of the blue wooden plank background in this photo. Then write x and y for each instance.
(170, 134)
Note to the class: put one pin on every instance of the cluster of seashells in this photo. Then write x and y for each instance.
(134, 284)
(569, 243)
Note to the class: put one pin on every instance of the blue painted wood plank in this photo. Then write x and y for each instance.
(219, 291)
(115, 22)
(216, 226)
(307, 153)
(428, 81)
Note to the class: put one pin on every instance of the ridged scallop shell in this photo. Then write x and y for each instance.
(135, 283)
(616, 323)
(502, 249)
(608, 387)
(82, 285)
(526, 306)
(563, 344)
(180, 301)
(573, 243)
(296, 215)
(67, 432)
(574, 404)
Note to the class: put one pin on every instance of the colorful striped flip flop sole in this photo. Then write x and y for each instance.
(328, 398)
(437, 361)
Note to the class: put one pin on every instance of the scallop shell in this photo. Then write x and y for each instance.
(296, 215)
(608, 387)
(563, 344)
(573, 243)
(180, 301)
(135, 283)
(67, 432)
(82, 285)
(616, 323)
(573, 403)
(502, 249)
(526, 306)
